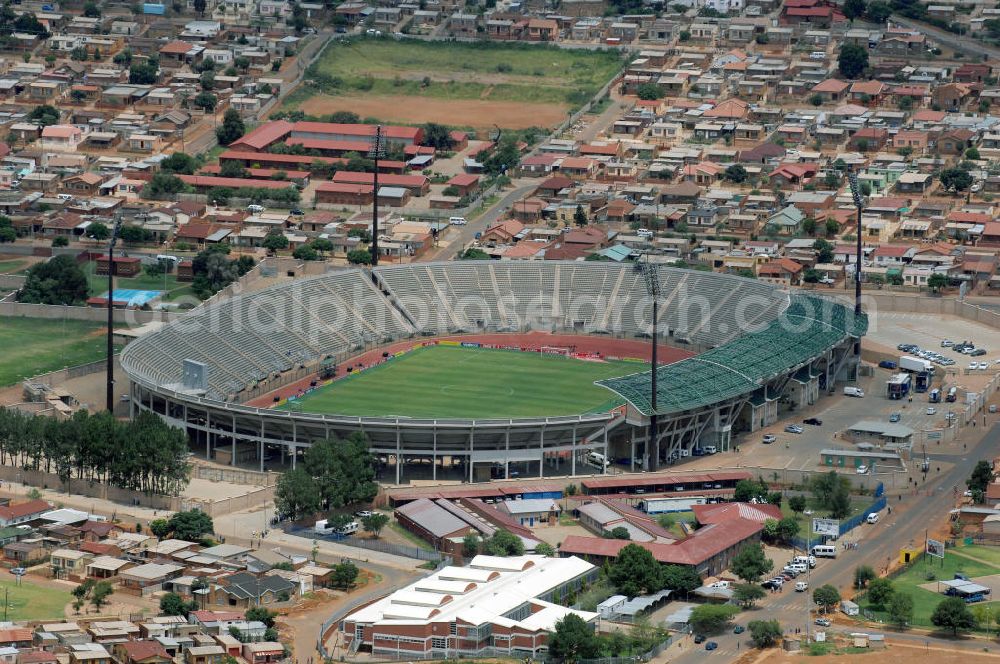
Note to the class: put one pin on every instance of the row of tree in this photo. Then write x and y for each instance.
(144, 454)
(333, 474)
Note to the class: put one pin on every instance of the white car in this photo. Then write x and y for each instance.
(973, 366)
(862, 470)
(947, 343)
(768, 438)
(931, 410)
(983, 366)
(801, 586)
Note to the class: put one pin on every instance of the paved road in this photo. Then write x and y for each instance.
(466, 234)
(878, 545)
(966, 45)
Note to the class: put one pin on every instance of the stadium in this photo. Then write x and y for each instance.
(473, 370)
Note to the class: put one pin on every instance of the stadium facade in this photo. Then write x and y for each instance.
(757, 345)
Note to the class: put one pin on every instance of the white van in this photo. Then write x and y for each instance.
(824, 551)
(255, 209)
(598, 459)
(709, 449)
(323, 527)
(850, 391)
(457, 221)
(872, 518)
(805, 560)
(799, 567)
(801, 586)
(644, 232)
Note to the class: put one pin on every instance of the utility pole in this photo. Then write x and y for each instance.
(376, 152)
(651, 279)
(111, 315)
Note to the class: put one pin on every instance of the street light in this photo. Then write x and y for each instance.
(859, 204)
(376, 152)
(651, 280)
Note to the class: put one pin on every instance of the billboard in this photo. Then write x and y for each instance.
(826, 527)
(935, 548)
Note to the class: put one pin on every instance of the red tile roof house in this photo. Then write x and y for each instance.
(954, 141)
(790, 175)
(465, 183)
(265, 652)
(912, 139)
(709, 550)
(868, 92)
(344, 193)
(893, 255)
(537, 165)
(11, 515)
(418, 185)
(502, 233)
(869, 138)
(783, 271)
(830, 90)
(141, 652)
(578, 167)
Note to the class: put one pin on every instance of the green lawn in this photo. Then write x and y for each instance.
(37, 346)
(501, 72)
(924, 601)
(676, 519)
(858, 505)
(32, 602)
(449, 381)
(13, 266)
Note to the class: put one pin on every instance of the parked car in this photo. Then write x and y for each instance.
(738, 629)
(363, 514)
(895, 417)
(711, 645)
(801, 586)
(18, 571)
(979, 352)
(815, 421)
(931, 410)
(983, 366)
(947, 343)
(793, 428)
(862, 470)
(699, 638)
(823, 622)
(768, 438)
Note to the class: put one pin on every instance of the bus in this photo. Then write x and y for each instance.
(824, 551)
(935, 396)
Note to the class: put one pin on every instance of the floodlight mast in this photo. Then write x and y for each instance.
(651, 280)
(110, 378)
(376, 152)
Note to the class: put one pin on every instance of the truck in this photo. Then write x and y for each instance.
(851, 391)
(898, 386)
(915, 364)
(922, 382)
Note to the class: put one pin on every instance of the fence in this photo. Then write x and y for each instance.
(395, 549)
(850, 524)
(123, 317)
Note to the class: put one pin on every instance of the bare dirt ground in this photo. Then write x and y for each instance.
(896, 653)
(478, 114)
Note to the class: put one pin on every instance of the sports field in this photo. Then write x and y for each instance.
(463, 84)
(455, 382)
(31, 601)
(37, 346)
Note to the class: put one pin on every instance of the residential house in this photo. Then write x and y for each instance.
(782, 271)
(830, 90)
(18, 513)
(952, 96)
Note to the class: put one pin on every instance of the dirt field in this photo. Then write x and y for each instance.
(896, 653)
(478, 114)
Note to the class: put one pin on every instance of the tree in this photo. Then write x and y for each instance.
(816, 99)
(179, 162)
(191, 525)
(747, 490)
(44, 115)
(618, 532)
(274, 241)
(359, 257)
(81, 592)
(573, 640)
(164, 183)
(200, 6)
(879, 11)
(8, 234)
(437, 136)
(832, 227)
(684, 35)
(344, 471)
(862, 575)
(880, 591)
(296, 495)
(374, 523)
(98, 231)
(99, 595)
(747, 594)
(854, 9)
(143, 73)
(680, 578)
(173, 604)
(91, 10)
(833, 491)
(953, 613)
(579, 216)
(504, 543)
(56, 281)
(260, 614)
(232, 169)
(788, 528)
(735, 173)
(710, 618)
(232, 127)
(764, 633)
(827, 597)
(981, 477)
(797, 504)
(205, 101)
(852, 61)
(344, 575)
(809, 226)
(322, 245)
(972, 153)
(134, 234)
(955, 179)
(545, 549)
(305, 252)
(937, 281)
(470, 545)
(474, 254)
(58, 241)
(160, 528)
(649, 92)
(900, 609)
(750, 563)
(635, 571)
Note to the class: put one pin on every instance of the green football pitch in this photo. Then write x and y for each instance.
(37, 345)
(456, 382)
